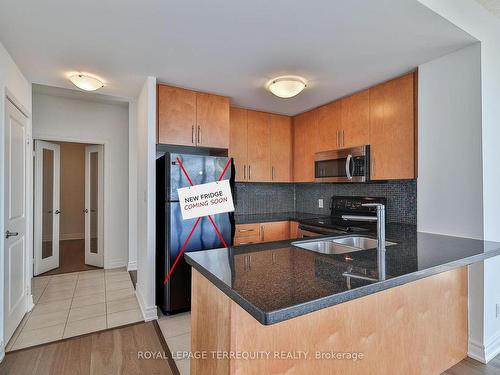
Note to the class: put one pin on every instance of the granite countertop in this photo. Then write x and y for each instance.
(284, 281)
(266, 218)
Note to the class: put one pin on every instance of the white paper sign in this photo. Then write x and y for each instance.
(205, 199)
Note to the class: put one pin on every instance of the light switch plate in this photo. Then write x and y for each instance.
(320, 203)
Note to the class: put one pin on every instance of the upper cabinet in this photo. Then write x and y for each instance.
(355, 122)
(261, 146)
(305, 140)
(191, 118)
(392, 129)
(329, 126)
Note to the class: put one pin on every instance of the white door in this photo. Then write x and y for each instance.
(47, 206)
(94, 205)
(15, 290)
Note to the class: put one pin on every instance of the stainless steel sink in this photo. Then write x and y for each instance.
(340, 245)
(325, 247)
(360, 242)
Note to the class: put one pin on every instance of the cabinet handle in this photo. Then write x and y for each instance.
(338, 138)
(245, 172)
(245, 243)
(272, 173)
(192, 134)
(262, 233)
(249, 172)
(245, 230)
(199, 134)
(343, 144)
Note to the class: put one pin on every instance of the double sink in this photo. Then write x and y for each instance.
(334, 246)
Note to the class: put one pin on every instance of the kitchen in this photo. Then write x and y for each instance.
(350, 148)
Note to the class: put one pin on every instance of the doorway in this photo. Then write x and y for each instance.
(68, 209)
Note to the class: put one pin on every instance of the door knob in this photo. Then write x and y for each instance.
(57, 212)
(85, 211)
(8, 234)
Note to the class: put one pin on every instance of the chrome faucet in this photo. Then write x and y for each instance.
(380, 237)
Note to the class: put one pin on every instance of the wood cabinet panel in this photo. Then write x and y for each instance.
(275, 231)
(294, 228)
(238, 136)
(305, 130)
(247, 230)
(259, 156)
(355, 119)
(329, 125)
(176, 116)
(212, 119)
(281, 148)
(392, 129)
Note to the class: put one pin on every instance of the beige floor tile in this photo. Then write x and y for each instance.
(123, 304)
(30, 337)
(36, 321)
(175, 325)
(44, 308)
(40, 281)
(118, 276)
(86, 291)
(181, 343)
(59, 288)
(114, 270)
(65, 277)
(95, 276)
(183, 366)
(81, 327)
(55, 296)
(17, 332)
(124, 317)
(116, 285)
(87, 312)
(91, 299)
(112, 295)
(90, 283)
(36, 295)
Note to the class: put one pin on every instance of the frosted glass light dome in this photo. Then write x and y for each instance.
(287, 86)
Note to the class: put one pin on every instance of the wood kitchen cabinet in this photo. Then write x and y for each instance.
(281, 148)
(305, 130)
(355, 121)
(261, 145)
(329, 126)
(190, 118)
(246, 234)
(392, 129)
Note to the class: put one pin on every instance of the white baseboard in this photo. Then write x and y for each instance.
(30, 302)
(148, 312)
(2, 351)
(71, 236)
(132, 265)
(115, 263)
(484, 353)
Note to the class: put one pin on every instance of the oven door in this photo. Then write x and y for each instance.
(345, 165)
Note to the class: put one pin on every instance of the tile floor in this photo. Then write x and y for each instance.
(77, 303)
(177, 332)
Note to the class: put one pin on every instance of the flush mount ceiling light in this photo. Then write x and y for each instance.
(86, 82)
(287, 86)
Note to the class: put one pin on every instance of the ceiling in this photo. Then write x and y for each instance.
(226, 47)
(492, 5)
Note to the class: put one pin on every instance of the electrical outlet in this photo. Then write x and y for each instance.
(498, 310)
(320, 203)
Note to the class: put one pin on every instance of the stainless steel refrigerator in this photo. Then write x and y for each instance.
(172, 230)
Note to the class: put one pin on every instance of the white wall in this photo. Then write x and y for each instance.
(146, 151)
(70, 119)
(15, 84)
(132, 193)
(450, 173)
(484, 339)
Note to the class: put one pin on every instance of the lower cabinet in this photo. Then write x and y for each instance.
(247, 234)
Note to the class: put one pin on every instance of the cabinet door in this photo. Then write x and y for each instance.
(238, 141)
(355, 120)
(329, 125)
(281, 148)
(392, 129)
(176, 116)
(304, 146)
(294, 228)
(212, 120)
(259, 163)
(276, 231)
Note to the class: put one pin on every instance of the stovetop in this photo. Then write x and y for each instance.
(338, 223)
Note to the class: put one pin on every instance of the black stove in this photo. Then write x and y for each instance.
(348, 215)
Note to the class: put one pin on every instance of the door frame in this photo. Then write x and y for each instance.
(5, 95)
(105, 144)
(38, 205)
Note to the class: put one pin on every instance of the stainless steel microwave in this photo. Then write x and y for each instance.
(344, 165)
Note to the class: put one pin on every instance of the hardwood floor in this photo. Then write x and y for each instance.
(472, 367)
(71, 258)
(114, 351)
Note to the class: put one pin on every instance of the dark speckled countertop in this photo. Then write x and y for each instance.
(266, 218)
(278, 281)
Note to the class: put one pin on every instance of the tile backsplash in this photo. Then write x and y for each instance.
(260, 198)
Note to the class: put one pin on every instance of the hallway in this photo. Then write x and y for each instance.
(71, 258)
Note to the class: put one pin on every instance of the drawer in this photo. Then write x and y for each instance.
(247, 230)
(246, 240)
